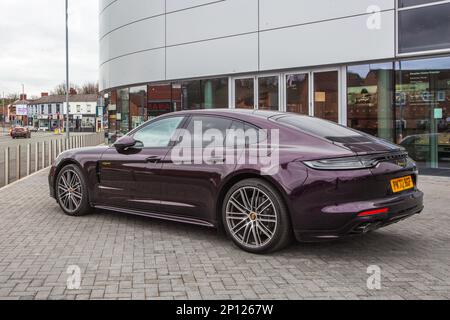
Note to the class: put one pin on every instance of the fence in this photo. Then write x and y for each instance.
(22, 160)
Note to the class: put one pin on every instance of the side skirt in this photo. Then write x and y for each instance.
(159, 216)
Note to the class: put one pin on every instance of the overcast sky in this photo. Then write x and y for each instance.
(32, 44)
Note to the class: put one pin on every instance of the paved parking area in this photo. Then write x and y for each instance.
(127, 257)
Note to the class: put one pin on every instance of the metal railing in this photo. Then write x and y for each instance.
(22, 160)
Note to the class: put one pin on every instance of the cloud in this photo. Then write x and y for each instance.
(32, 44)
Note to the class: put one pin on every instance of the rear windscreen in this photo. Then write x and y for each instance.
(318, 127)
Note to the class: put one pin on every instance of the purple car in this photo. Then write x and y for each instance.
(264, 177)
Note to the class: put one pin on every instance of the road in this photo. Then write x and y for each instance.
(36, 137)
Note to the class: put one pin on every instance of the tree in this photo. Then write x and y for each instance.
(89, 88)
(60, 89)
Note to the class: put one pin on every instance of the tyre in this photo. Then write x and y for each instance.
(255, 217)
(72, 192)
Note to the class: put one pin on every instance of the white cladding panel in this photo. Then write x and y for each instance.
(330, 42)
(221, 19)
(123, 12)
(136, 68)
(140, 36)
(174, 5)
(282, 13)
(216, 57)
(156, 40)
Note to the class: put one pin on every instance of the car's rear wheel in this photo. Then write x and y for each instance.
(256, 218)
(71, 191)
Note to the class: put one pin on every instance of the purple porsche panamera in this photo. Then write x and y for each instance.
(325, 181)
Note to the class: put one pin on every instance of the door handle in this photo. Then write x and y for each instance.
(216, 160)
(154, 159)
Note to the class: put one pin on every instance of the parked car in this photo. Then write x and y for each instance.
(419, 146)
(329, 181)
(20, 132)
(32, 128)
(43, 129)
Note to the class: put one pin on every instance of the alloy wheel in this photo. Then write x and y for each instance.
(70, 192)
(251, 217)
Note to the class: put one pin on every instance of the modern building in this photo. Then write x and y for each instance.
(48, 112)
(379, 66)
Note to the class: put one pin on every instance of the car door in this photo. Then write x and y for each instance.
(131, 179)
(189, 189)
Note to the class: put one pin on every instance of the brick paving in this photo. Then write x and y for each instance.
(127, 257)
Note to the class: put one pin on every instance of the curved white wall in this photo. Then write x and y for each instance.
(156, 40)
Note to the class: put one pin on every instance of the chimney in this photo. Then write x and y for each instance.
(44, 94)
(23, 97)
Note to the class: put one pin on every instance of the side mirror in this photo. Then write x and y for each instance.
(126, 142)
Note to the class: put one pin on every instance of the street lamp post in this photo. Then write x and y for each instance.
(67, 70)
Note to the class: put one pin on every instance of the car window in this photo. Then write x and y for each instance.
(318, 127)
(236, 138)
(207, 123)
(158, 134)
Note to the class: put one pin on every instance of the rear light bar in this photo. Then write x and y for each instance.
(373, 212)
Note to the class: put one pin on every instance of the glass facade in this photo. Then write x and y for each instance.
(297, 93)
(138, 106)
(407, 102)
(423, 110)
(268, 92)
(244, 93)
(326, 95)
(404, 101)
(163, 98)
(205, 94)
(123, 111)
(423, 28)
(370, 99)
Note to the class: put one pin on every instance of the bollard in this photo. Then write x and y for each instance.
(28, 159)
(7, 166)
(43, 154)
(36, 157)
(18, 162)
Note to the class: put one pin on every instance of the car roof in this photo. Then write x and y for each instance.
(242, 114)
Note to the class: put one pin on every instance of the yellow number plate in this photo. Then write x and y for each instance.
(402, 184)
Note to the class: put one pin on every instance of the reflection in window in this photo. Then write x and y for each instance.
(138, 103)
(423, 110)
(297, 93)
(163, 98)
(411, 3)
(268, 93)
(326, 95)
(370, 96)
(205, 94)
(244, 93)
(123, 110)
(424, 28)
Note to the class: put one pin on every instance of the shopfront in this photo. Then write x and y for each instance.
(404, 101)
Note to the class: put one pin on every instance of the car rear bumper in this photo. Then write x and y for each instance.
(400, 207)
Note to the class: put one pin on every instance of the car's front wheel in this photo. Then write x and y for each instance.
(256, 218)
(71, 191)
